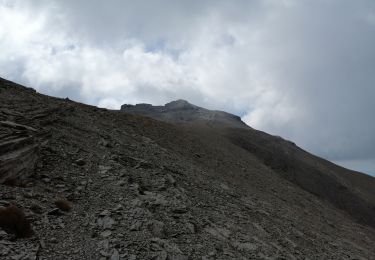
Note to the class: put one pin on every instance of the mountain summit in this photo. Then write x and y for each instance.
(168, 182)
(181, 111)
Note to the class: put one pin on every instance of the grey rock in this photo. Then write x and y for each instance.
(106, 222)
(136, 226)
(4, 203)
(103, 169)
(3, 234)
(162, 255)
(168, 246)
(191, 227)
(55, 212)
(53, 240)
(180, 210)
(80, 162)
(154, 198)
(106, 233)
(177, 257)
(46, 180)
(104, 213)
(170, 179)
(36, 208)
(104, 244)
(217, 232)
(247, 246)
(121, 183)
(118, 207)
(224, 186)
(115, 255)
(156, 228)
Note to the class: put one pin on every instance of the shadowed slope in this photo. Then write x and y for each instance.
(346, 189)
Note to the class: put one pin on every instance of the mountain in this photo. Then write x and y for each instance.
(168, 182)
(181, 111)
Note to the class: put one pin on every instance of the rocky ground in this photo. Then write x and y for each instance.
(144, 189)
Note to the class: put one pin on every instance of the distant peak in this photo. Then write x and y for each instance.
(181, 111)
(179, 104)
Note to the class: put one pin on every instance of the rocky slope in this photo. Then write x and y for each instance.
(139, 188)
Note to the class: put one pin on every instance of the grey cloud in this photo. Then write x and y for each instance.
(327, 69)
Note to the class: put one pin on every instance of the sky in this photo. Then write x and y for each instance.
(300, 69)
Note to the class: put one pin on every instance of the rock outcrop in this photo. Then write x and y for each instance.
(18, 152)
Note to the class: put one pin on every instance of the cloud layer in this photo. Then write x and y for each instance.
(300, 69)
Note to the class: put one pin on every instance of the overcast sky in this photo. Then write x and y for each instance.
(304, 70)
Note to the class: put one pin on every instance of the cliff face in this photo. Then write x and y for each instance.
(193, 184)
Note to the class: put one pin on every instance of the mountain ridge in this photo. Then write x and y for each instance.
(181, 111)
